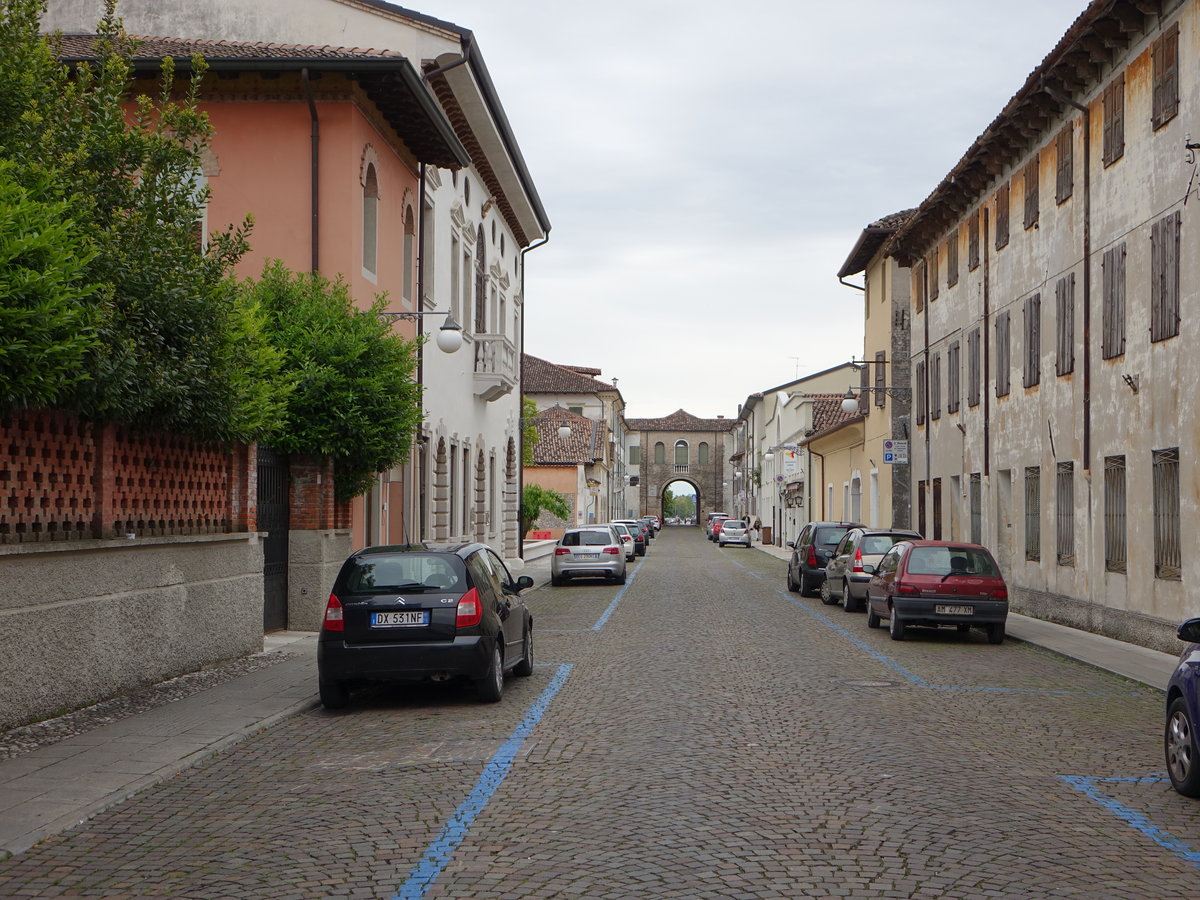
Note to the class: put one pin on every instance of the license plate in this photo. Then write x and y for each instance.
(391, 619)
(954, 610)
(587, 555)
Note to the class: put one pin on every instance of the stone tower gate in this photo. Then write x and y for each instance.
(682, 447)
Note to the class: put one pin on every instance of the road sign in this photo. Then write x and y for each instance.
(895, 451)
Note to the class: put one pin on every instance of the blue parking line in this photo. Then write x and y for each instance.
(437, 855)
(612, 607)
(1089, 787)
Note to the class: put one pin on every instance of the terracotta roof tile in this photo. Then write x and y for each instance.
(828, 416)
(541, 377)
(680, 420)
(583, 446)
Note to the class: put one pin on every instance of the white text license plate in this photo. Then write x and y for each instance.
(410, 617)
(954, 610)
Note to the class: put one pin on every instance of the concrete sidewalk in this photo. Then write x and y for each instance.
(50, 789)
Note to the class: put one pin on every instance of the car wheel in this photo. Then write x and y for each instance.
(556, 580)
(524, 668)
(721, 545)
(620, 579)
(895, 627)
(849, 603)
(806, 588)
(827, 593)
(1179, 742)
(872, 619)
(491, 686)
(995, 633)
(334, 694)
(791, 582)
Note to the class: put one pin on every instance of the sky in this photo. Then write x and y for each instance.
(707, 168)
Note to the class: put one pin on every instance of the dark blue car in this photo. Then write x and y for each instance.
(1183, 712)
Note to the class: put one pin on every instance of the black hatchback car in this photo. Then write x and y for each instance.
(424, 612)
(811, 550)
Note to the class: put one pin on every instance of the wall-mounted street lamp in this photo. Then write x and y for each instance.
(450, 334)
(564, 430)
(770, 454)
(850, 401)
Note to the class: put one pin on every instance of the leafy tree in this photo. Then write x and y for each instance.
(529, 432)
(354, 395)
(535, 499)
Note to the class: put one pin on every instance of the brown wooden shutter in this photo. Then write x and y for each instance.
(1065, 161)
(1032, 171)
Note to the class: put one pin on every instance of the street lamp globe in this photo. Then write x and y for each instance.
(564, 431)
(849, 403)
(450, 335)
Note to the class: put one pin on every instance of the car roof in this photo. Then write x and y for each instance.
(907, 532)
(457, 549)
(964, 544)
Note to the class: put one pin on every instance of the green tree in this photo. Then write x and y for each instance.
(353, 393)
(535, 499)
(529, 432)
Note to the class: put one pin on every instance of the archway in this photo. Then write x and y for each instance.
(680, 501)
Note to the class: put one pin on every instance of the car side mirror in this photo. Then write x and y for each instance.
(524, 582)
(1190, 631)
(792, 544)
(868, 568)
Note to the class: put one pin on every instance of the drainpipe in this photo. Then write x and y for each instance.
(468, 44)
(1087, 269)
(420, 488)
(521, 402)
(849, 285)
(314, 176)
(987, 344)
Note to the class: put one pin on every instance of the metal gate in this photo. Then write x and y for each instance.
(273, 520)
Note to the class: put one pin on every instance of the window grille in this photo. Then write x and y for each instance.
(1165, 59)
(1002, 354)
(1164, 274)
(1065, 514)
(1114, 120)
(1167, 550)
(974, 370)
(1064, 300)
(953, 371)
(1112, 340)
(1115, 548)
(1031, 192)
(1033, 512)
(1002, 211)
(1033, 340)
(976, 499)
(1064, 154)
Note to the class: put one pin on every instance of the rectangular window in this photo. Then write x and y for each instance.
(1064, 536)
(1033, 340)
(1003, 356)
(1165, 55)
(880, 378)
(932, 268)
(1064, 302)
(937, 509)
(1064, 155)
(1164, 277)
(1033, 513)
(1115, 552)
(452, 492)
(1112, 341)
(1167, 546)
(1114, 120)
(1002, 210)
(953, 386)
(973, 241)
(635, 456)
(935, 386)
(919, 388)
(455, 309)
(974, 369)
(952, 259)
(1032, 171)
(976, 492)
(921, 507)
(465, 321)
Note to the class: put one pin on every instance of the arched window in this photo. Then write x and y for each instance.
(660, 453)
(410, 236)
(681, 453)
(370, 209)
(702, 453)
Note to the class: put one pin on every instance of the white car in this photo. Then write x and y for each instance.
(734, 531)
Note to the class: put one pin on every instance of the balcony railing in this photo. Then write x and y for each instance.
(495, 366)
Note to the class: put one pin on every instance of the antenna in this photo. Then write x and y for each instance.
(797, 360)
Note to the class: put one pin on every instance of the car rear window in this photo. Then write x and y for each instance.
(829, 537)
(407, 572)
(951, 561)
(733, 523)
(586, 539)
(879, 543)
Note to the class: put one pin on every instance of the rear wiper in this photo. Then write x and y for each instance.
(410, 586)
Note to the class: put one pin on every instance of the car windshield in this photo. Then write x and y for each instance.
(829, 537)
(407, 572)
(879, 543)
(951, 561)
(586, 539)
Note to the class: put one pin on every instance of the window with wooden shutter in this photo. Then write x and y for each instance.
(1114, 120)
(1112, 339)
(1031, 192)
(880, 378)
(864, 382)
(931, 264)
(1064, 301)
(1165, 56)
(953, 389)
(952, 259)
(935, 386)
(919, 388)
(974, 367)
(976, 499)
(921, 507)
(973, 241)
(1033, 340)
(919, 286)
(1002, 354)
(1164, 275)
(1002, 210)
(1064, 157)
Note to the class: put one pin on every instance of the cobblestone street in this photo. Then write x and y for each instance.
(698, 733)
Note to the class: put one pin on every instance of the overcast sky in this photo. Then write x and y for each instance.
(707, 168)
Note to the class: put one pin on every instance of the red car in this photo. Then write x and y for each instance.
(938, 583)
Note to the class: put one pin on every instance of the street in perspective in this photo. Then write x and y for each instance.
(700, 731)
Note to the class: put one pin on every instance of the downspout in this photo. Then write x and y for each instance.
(521, 402)
(849, 285)
(924, 385)
(1087, 270)
(314, 175)
(420, 492)
(468, 45)
(987, 344)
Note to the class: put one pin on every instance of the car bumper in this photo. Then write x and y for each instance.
(923, 611)
(858, 585)
(588, 569)
(412, 662)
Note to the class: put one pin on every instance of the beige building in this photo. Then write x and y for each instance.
(1055, 323)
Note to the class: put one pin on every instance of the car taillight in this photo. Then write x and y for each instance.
(857, 559)
(812, 556)
(612, 551)
(470, 610)
(561, 551)
(1000, 593)
(333, 615)
(902, 588)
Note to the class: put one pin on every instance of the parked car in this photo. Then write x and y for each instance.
(938, 583)
(811, 549)
(638, 529)
(648, 521)
(849, 569)
(734, 531)
(425, 612)
(713, 526)
(1183, 712)
(594, 551)
(626, 535)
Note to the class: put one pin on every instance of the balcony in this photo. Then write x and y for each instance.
(495, 366)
